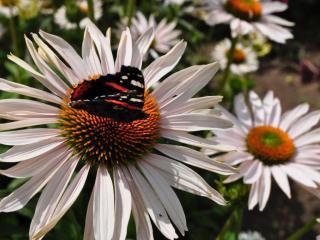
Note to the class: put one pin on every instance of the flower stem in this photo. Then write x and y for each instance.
(91, 10)
(247, 99)
(234, 222)
(130, 10)
(303, 230)
(225, 79)
(13, 33)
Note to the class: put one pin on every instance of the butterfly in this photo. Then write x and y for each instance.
(119, 96)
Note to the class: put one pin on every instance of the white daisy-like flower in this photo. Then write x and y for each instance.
(273, 145)
(250, 235)
(8, 8)
(175, 2)
(61, 19)
(244, 59)
(245, 16)
(108, 118)
(165, 34)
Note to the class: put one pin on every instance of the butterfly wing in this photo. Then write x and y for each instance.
(119, 96)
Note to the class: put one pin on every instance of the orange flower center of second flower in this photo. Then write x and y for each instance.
(270, 145)
(249, 10)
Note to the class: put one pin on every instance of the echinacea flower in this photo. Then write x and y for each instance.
(244, 59)
(165, 34)
(274, 145)
(245, 16)
(107, 118)
(62, 20)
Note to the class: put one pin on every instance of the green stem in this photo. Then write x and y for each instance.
(130, 10)
(91, 10)
(225, 79)
(303, 230)
(234, 221)
(13, 33)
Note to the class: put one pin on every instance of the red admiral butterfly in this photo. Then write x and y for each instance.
(119, 96)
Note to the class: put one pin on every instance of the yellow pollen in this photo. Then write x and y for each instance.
(83, 6)
(270, 145)
(104, 140)
(249, 10)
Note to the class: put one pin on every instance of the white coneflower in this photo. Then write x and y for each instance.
(61, 18)
(108, 118)
(272, 145)
(250, 235)
(165, 34)
(245, 16)
(8, 8)
(244, 59)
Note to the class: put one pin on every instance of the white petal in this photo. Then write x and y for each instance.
(51, 195)
(186, 138)
(253, 173)
(124, 54)
(182, 177)
(19, 109)
(164, 91)
(282, 180)
(265, 188)
(59, 86)
(67, 52)
(88, 230)
(21, 196)
(304, 124)
(123, 201)
(277, 20)
(194, 158)
(253, 196)
(162, 65)
(271, 7)
(103, 205)
(68, 198)
(187, 89)
(234, 158)
(274, 32)
(36, 165)
(141, 217)
(155, 208)
(194, 122)
(167, 196)
(195, 104)
(26, 123)
(104, 47)
(293, 115)
(25, 152)
(298, 175)
(8, 86)
(27, 136)
(40, 77)
(308, 138)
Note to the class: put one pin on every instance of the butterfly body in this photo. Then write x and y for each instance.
(119, 96)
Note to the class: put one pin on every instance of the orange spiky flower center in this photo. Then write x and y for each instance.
(249, 10)
(104, 140)
(238, 57)
(270, 145)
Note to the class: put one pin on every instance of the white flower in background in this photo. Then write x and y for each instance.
(61, 18)
(244, 58)
(176, 2)
(165, 35)
(245, 16)
(8, 8)
(274, 145)
(250, 235)
(108, 118)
